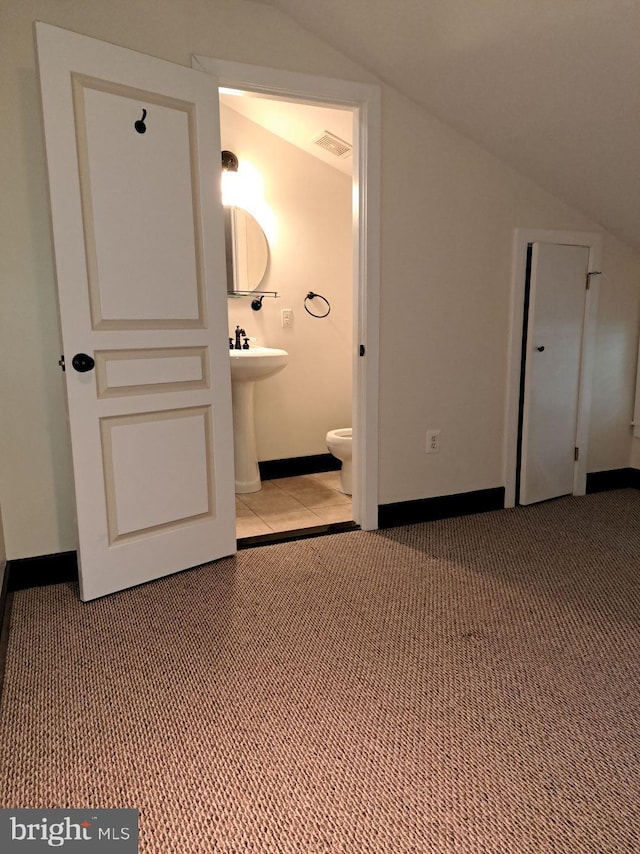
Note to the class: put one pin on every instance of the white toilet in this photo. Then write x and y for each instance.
(340, 445)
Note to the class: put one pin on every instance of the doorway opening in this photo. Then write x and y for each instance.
(298, 192)
(523, 364)
(533, 364)
(312, 482)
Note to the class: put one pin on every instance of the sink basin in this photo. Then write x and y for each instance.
(247, 368)
(258, 363)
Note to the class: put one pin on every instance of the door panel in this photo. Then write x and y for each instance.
(150, 371)
(136, 187)
(148, 485)
(552, 372)
(139, 246)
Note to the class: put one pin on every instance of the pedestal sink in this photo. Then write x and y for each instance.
(247, 368)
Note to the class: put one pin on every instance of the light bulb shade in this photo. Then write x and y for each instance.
(229, 161)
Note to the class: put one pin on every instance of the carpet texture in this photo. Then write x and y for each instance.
(469, 685)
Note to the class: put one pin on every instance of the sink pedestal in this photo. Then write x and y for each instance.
(247, 472)
(247, 367)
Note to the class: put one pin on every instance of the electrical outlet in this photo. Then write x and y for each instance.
(433, 442)
(287, 317)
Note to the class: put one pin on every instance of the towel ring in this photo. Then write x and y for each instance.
(311, 295)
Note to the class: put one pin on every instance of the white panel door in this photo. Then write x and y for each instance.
(134, 165)
(552, 370)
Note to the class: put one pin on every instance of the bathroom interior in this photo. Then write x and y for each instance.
(287, 192)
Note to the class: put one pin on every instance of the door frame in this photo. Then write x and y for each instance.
(522, 238)
(364, 99)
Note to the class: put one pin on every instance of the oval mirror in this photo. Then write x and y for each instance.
(247, 250)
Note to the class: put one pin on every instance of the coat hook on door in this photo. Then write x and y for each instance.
(140, 125)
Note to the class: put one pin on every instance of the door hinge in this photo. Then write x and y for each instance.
(576, 454)
(61, 362)
(362, 349)
(595, 273)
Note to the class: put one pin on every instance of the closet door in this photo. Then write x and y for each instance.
(552, 373)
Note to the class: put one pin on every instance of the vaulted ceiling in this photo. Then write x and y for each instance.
(550, 86)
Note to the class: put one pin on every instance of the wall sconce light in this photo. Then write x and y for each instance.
(229, 178)
(229, 161)
(241, 186)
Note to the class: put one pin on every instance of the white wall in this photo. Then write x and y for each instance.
(309, 251)
(616, 355)
(446, 274)
(448, 214)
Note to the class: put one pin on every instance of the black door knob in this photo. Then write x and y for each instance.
(539, 349)
(82, 363)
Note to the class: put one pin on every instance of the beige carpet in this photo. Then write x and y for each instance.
(470, 685)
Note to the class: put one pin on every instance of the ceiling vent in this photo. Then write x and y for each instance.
(332, 143)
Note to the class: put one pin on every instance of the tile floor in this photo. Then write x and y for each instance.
(289, 503)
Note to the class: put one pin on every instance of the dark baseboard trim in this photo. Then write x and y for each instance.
(4, 593)
(42, 571)
(441, 507)
(602, 481)
(5, 617)
(295, 466)
(62, 567)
